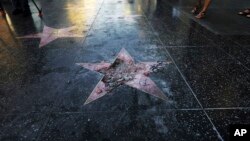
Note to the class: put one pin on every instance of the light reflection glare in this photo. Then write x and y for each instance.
(148, 6)
(9, 22)
(78, 14)
(175, 12)
(7, 31)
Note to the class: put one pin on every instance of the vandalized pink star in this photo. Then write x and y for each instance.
(123, 71)
(50, 34)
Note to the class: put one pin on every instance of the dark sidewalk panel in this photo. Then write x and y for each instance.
(241, 53)
(217, 80)
(224, 118)
(132, 125)
(173, 31)
(22, 127)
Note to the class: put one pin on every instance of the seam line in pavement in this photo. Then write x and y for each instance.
(183, 77)
(39, 134)
(94, 19)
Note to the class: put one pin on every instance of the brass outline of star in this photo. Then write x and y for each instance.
(141, 77)
(50, 34)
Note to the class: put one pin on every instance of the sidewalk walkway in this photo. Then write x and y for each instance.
(119, 70)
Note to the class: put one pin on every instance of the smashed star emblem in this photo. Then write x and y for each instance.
(50, 34)
(123, 71)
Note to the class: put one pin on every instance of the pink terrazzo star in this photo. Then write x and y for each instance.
(123, 71)
(50, 34)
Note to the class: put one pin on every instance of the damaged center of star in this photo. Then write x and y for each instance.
(121, 72)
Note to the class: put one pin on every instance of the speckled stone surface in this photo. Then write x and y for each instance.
(205, 80)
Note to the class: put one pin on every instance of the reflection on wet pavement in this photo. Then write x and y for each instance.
(164, 74)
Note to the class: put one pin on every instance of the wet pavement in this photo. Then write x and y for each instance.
(123, 70)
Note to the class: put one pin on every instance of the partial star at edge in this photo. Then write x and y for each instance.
(50, 34)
